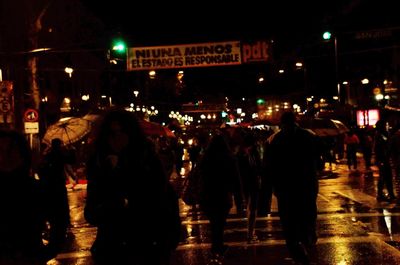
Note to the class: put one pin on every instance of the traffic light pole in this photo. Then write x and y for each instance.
(327, 36)
(337, 70)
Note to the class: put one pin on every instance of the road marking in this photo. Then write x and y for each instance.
(359, 197)
(324, 197)
(270, 242)
(323, 216)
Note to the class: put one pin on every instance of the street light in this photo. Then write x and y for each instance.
(69, 71)
(327, 36)
(302, 66)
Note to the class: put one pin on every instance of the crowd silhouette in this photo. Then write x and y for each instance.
(129, 188)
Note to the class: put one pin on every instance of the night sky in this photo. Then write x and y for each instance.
(294, 26)
(294, 21)
(172, 21)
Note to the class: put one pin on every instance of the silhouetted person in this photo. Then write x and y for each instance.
(178, 149)
(395, 155)
(127, 194)
(71, 161)
(219, 174)
(291, 158)
(53, 179)
(327, 144)
(265, 195)
(351, 141)
(22, 215)
(367, 145)
(194, 151)
(250, 172)
(382, 160)
(167, 155)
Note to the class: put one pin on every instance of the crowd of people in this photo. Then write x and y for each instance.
(288, 164)
(129, 188)
(243, 169)
(378, 146)
(127, 191)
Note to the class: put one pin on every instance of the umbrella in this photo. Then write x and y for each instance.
(69, 130)
(342, 128)
(155, 129)
(149, 128)
(323, 127)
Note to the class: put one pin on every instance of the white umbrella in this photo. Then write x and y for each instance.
(69, 130)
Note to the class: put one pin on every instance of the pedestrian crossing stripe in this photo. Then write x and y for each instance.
(271, 242)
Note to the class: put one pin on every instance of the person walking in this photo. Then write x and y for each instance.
(166, 154)
(127, 192)
(351, 141)
(291, 160)
(394, 144)
(382, 160)
(219, 173)
(265, 194)
(53, 179)
(367, 144)
(249, 163)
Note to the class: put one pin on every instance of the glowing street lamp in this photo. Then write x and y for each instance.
(69, 71)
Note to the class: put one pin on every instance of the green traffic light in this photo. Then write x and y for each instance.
(260, 101)
(327, 35)
(119, 46)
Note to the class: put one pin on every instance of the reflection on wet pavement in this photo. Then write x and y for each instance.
(353, 228)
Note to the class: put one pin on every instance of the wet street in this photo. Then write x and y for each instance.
(353, 228)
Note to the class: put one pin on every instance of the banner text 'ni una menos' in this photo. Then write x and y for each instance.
(184, 56)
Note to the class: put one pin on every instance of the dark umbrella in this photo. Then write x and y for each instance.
(323, 126)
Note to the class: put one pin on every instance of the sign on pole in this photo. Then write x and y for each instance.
(31, 115)
(6, 102)
(31, 121)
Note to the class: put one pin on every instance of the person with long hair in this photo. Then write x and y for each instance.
(127, 193)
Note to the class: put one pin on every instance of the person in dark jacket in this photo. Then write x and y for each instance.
(219, 173)
(291, 160)
(53, 180)
(127, 193)
(249, 163)
(21, 203)
(382, 160)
